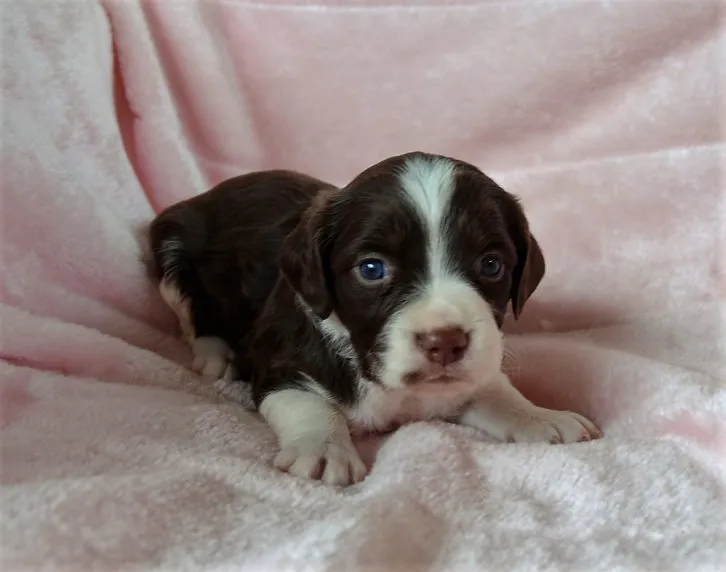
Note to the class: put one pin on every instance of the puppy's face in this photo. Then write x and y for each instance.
(416, 261)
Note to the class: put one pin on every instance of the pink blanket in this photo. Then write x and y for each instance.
(605, 117)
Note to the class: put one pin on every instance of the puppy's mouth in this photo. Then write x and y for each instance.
(429, 377)
(434, 375)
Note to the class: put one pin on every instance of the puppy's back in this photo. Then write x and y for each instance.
(221, 248)
(265, 203)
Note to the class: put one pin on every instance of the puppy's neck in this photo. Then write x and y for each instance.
(335, 334)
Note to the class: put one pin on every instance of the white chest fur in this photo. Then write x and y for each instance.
(381, 409)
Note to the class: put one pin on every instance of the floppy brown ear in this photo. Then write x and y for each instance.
(527, 274)
(301, 260)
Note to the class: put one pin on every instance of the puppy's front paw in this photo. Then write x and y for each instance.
(334, 462)
(548, 426)
(212, 358)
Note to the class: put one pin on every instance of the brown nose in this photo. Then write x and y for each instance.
(443, 346)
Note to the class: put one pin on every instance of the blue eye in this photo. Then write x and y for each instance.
(373, 270)
(491, 266)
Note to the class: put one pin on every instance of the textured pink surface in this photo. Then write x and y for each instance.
(605, 117)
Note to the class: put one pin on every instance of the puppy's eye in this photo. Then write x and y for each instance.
(491, 266)
(372, 270)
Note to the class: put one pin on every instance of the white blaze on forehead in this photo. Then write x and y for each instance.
(429, 183)
(446, 298)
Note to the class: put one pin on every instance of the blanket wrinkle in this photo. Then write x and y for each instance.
(125, 119)
(670, 152)
(604, 117)
(586, 343)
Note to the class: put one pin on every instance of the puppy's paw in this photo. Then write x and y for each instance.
(334, 462)
(212, 358)
(548, 426)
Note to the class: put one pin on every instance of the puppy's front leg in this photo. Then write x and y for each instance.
(504, 413)
(314, 438)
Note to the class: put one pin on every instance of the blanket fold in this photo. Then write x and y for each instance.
(603, 116)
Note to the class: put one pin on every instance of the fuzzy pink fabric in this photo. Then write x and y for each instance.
(605, 117)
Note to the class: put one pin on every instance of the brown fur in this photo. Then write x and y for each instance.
(249, 250)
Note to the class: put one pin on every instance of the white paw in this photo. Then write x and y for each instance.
(548, 426)
(212, 358)
(334, 462)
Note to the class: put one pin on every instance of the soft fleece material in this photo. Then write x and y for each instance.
(605, 117)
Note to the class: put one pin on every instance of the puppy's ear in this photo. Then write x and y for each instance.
(530, 266)
(301, 261)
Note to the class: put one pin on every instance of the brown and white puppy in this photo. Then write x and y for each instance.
(360, 308)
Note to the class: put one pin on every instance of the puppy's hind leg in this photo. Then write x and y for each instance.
(181, 306)
(212, 355)
(212, 358)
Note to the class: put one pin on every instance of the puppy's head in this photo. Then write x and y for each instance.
(416, 260)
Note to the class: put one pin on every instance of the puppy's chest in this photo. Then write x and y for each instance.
(382, 409)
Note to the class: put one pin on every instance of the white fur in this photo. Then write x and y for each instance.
(429, 185)
(314, 432)
(331, 328)
(338, 337)
(313, 437)
(180, 306)
(445, 299)
(381, 408)
(212, 356)
(482, 396)
(504, 413)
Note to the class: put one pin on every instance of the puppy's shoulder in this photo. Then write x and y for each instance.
(291, 349)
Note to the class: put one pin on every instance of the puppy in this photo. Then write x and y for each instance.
(358, 309)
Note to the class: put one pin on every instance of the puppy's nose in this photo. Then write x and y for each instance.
(443, 346)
